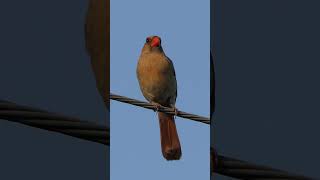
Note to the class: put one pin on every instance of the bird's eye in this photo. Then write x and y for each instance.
(147, 40)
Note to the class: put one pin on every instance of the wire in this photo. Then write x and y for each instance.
(225, 166)
(100, 134)
(243, 170)
(161, 108)
(54, 122)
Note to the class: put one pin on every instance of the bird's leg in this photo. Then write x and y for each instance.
(157, 105)
(176, 112)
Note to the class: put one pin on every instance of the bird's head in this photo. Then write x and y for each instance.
(153, 44)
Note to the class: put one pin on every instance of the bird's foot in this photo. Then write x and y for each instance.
(176, 112)
(157, 106)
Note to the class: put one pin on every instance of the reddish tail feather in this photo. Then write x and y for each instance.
(170, 144)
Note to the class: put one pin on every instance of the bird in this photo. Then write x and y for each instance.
(97, 42)
(158, 84)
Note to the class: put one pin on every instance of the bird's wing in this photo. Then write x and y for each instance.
(175, 78)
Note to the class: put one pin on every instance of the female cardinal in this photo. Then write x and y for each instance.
(158, 84)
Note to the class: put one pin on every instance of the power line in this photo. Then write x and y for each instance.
(161, 108)
(225, 166)
(243, 170)
(54, 122)
(98, 133)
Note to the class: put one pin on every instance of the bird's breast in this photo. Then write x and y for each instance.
(156, 80)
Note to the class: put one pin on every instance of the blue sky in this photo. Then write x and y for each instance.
(135, 138)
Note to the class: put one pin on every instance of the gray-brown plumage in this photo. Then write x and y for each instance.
(158, 84)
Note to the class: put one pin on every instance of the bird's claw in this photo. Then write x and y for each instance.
(157, 106)
(176, 112)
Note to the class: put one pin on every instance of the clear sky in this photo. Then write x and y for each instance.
(135, 137)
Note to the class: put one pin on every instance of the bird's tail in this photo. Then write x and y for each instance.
(170, 143)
